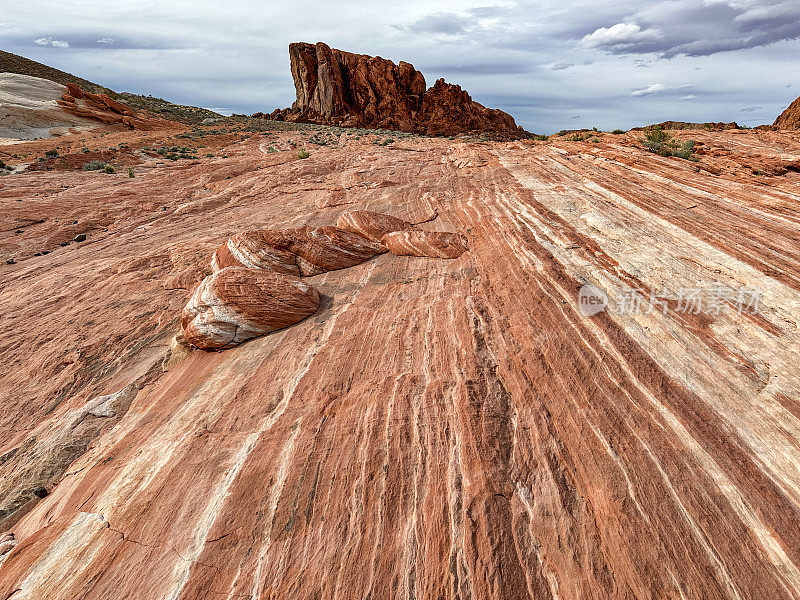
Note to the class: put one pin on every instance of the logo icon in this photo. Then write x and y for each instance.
(591, 300)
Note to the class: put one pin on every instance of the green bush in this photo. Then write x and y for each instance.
(662, 143)
(94, 165)
(303, 154)
(130, 173)
(109, 169)
(52, 154)
(2, 165)
(578, 137)
(618, 131)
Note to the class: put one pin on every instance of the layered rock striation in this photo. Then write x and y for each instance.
(355, 90)
(439, 429)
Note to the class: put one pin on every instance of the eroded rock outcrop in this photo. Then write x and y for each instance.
(355, 90)
(370, 224)
(790, 118)
(433, 244)
(302, 251)
(99, 107)
(236, 304)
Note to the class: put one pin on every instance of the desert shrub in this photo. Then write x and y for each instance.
(618, 131)
(658, 141)
(94, 165)
(303, 154)
(130, 173)
(2, 165)
(109, 169)
(578, 137)
(52, 154)
(540, 138)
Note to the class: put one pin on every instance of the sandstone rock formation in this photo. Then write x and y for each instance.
(99, 107)
(370, 224)
(438, 429)
(790, 118)
(433, 244)
(302, 251)
(236, 304)
(355, 90)
(29, 108)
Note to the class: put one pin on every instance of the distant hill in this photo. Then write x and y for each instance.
(13, 63)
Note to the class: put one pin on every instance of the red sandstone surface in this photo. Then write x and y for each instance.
(355, 90)
(438, 428)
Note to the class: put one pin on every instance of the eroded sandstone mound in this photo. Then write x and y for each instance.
(300, 251)
(370, 224)
(237, 304)
(433, 244)
(790, 118)
(355, 90)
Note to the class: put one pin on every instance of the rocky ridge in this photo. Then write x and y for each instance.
(790, 118)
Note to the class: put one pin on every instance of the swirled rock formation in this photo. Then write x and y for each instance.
(236, 304)
(370, 224)
(433, 244)
(302, 251)
(355, 90)
(790, 118)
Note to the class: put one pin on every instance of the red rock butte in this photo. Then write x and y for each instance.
(355, 90)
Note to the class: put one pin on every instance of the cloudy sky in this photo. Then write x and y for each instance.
(552, 64)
